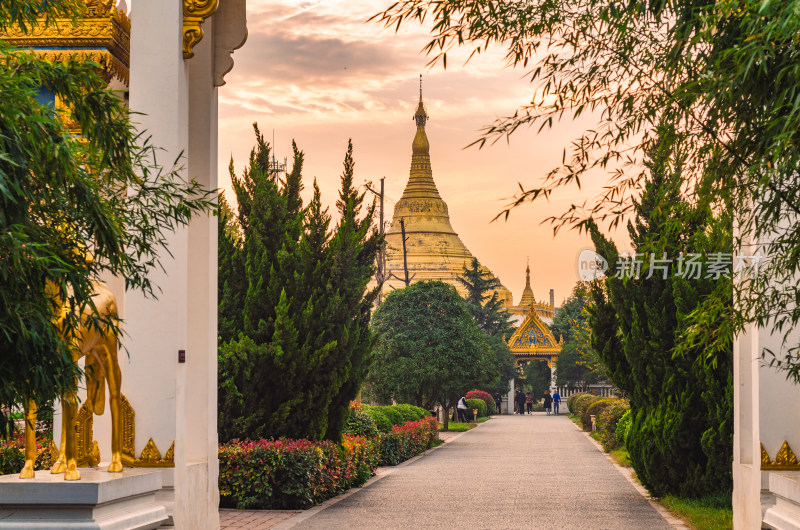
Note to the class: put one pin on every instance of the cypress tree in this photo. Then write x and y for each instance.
(354, 249)
(680, 440)
(300, 353)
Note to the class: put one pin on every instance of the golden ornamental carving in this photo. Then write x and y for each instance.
(128, 427)
(151, 456)
(102, 35)
(785, 460)
(194, 13)
(785, 456)
(99, 8)
(88, 452)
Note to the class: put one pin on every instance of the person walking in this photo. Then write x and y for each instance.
(556, 402)
(498, 401)
(548, 401)
(462, 409)
(529, 402)
(521, 401)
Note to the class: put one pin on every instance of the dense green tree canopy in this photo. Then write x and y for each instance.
(294, 308)
(62, 196)
(428, 348)
(722, 75)
(491, 318)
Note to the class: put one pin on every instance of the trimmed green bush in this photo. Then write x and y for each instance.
(409, 412)
(479, 404)
(422, 412)
(608, 423)
(394, 415)
(491, 406)
(360, 423)
(582, 403)
(381, 420)
(571, 401)
(595, 409)
(623, 425)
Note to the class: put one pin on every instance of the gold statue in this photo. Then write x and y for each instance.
(100, 349)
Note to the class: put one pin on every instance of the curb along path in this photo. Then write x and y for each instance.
(511, 472)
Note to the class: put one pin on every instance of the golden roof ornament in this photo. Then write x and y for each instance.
(102, 34)
(527, 294)
(194, 13)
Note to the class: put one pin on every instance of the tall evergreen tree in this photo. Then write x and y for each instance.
(354, 249)
(492, 319)
(301, 351)
(680, 439)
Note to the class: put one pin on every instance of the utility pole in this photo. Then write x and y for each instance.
(405, 252)
(380, 275)
(407, 279)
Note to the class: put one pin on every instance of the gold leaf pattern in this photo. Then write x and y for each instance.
(765, 459)
(785, 456)
(194, 12)
(150, 453)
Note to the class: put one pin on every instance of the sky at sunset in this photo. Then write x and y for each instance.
(318, 73)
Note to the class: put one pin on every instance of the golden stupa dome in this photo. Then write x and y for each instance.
(434, 250)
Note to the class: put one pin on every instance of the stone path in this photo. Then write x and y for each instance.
(511, 472)
(246, 519)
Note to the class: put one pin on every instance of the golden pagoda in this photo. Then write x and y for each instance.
(528, 304)
(433, 249)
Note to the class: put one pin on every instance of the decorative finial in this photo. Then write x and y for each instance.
(528, 274)
(421, 116)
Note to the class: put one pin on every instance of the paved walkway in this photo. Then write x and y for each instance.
(511, 472)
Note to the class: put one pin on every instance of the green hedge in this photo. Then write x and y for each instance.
(582, 403)
(410, 412)
(608, 423)
(491, 406)
(623, 425)
(381, 420)
(394, 415)
(361, 423)
(571, 401)
(479, 404)
(595, 408)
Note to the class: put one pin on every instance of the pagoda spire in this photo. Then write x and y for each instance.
(527, 294)
(420, 182)
(528, 275)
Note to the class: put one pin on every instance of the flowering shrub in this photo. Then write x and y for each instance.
(294, 474)
(12, 456)
(486, 397)
(408, 440)
(290, 474)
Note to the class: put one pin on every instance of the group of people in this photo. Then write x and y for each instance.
(524, 402)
